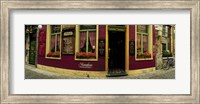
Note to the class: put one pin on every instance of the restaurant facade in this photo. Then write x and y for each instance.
(96, 50)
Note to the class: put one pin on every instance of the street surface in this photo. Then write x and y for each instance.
(35, 73)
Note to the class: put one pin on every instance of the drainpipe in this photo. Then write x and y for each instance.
(36, 56)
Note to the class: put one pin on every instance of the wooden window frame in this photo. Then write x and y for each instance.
(150, 42)
(77, 41)
(48, 42)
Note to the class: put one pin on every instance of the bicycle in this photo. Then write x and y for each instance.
(170, 63)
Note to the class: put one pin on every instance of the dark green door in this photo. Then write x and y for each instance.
(32, 52)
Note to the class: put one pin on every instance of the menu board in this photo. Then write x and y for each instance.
(68, 42)
(101, 47)
(132, 48)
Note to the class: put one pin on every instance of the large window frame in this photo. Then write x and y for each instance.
(77, 45)
(48, 42)
(150, 43)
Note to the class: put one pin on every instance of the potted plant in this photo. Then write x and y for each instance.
(140, 55)
(85, 55)
(147, 55)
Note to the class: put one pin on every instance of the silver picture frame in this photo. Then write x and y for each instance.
(8, 5)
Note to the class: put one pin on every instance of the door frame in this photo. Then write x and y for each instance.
(126, 49)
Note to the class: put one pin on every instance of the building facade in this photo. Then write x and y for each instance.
(165, 43)
(97, 50)
(30, 44)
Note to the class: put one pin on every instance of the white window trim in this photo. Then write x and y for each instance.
(150, 43)
(77, 49)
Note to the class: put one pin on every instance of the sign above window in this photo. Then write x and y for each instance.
(68, 33)
(84, 27)
(68, 27)
(116, 27)
(142, 28)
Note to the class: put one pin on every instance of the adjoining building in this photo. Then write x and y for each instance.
(97, 50)
(30, 44)
(165, 43)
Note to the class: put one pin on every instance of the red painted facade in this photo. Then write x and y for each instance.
(69, 62)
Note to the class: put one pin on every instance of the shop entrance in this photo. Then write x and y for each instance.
(116, 53)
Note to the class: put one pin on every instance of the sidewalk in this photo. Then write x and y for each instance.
(34, 73)
(158, 74)
(31, 72)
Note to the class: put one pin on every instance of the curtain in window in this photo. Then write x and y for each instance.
(58, 42)
(92, 38)
(82, 39)
(52, 43)
(145, 43)
(139, 42)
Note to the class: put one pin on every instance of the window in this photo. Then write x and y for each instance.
(143, 41)
(165, 30)
(87, 43)
(54, 44)
(164, 47)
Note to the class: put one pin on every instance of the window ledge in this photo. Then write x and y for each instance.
(143, 59)
(77, 59)
(165, 58)
(58, 58)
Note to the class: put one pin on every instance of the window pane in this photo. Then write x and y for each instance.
(55, 28)
(139, 43)
(163, 46)
(92, 41)
(145, 43)
(58, 43)
(52, 46)
(142, 28)
(83, 41)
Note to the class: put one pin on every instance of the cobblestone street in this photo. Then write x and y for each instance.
(158, 74)
(34, 73)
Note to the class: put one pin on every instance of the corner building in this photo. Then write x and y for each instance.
(97, 50)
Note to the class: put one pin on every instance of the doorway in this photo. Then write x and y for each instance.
(116, 53)
(30, 44)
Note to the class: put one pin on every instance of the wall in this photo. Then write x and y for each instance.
(133, 64)
(67, 61)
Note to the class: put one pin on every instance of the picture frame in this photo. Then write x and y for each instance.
(8, 6)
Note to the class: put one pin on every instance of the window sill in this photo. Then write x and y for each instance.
(165, 58)
(58, 58)
(143, 59)
(78, 59)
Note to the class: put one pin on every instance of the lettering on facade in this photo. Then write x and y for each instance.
(85, 65)
(68, 33)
